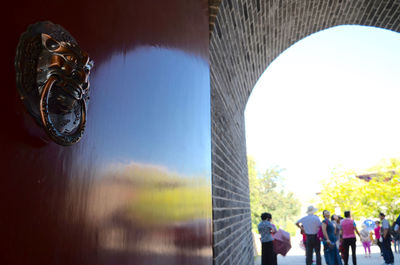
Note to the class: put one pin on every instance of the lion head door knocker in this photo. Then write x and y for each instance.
(53, 80)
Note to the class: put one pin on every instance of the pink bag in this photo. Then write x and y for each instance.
(282, 242)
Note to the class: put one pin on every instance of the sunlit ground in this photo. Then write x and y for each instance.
(296, 256)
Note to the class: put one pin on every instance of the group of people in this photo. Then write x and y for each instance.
(340, 233)
(395, 234)
(335, 233)
(384, 235)
(329, 231)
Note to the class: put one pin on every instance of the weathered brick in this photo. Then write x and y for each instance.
(248, 36)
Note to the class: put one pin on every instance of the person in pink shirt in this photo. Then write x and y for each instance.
(349, 238)
(377, 231)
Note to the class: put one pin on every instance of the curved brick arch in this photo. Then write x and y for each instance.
(247, 36)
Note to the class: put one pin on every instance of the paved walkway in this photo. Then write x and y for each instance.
(296, 257)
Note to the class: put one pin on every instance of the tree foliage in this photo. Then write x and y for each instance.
(365, 199)
(266, 195)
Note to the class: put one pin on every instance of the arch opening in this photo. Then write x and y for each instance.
(321, 128)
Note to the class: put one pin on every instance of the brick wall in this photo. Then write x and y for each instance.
(247, 36)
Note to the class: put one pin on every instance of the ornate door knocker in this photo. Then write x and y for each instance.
(53, 80)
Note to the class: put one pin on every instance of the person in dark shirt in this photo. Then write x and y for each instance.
(396, 237)
(266, 229)
(386, 240)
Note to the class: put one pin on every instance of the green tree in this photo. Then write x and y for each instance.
(254, 184)
(266, 195)
(365, 198)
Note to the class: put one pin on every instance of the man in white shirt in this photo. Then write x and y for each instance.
(310, 226)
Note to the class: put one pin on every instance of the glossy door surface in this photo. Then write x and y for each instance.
(136, 189)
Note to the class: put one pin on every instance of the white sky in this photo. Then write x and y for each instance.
(330, 100)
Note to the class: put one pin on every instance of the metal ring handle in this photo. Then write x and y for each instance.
(51, 130)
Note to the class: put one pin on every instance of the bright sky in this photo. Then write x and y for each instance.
(330, 100)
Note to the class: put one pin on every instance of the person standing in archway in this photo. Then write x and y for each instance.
(397, 224)
(266, 229)
(310, 226)
(331, 252)
(338, 228)
(349, 238)
(395, 237)
(386, 240)
(377, 231)
(366, 241)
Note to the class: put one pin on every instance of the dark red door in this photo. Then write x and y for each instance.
(136, 188)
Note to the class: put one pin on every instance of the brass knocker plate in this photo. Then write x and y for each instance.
(53, 80)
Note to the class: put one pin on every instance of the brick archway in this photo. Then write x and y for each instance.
(247, 35)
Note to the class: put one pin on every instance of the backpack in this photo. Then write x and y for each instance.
(320, 235)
